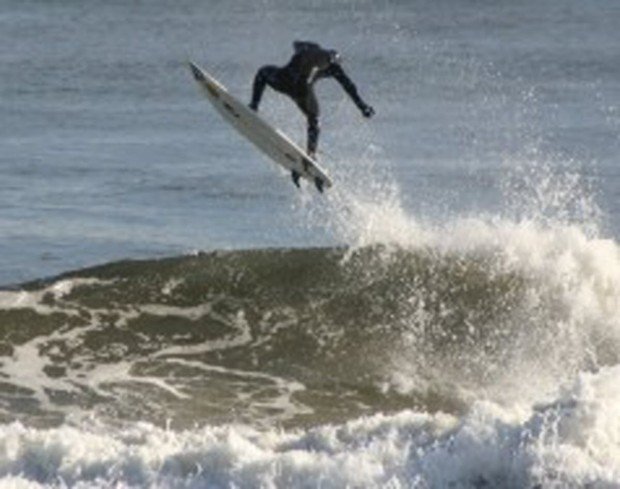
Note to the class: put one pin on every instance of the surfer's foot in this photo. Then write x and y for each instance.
(318, 182)
(295, 175)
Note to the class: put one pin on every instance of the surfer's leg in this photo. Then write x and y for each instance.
(312, 113)
(310, 107)
(313, 134)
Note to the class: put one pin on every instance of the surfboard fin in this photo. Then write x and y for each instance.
(318, 182)
(295, 175)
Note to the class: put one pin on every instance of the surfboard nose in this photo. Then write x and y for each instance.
(196, 72)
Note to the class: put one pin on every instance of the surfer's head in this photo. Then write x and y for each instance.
(300, 46)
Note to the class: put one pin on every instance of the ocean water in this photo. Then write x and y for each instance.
(175, 313)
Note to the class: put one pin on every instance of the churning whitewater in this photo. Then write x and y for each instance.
(489, 348)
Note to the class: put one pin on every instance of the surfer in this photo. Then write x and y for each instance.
(309, 64)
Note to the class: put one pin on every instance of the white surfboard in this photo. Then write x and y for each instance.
(271, 141)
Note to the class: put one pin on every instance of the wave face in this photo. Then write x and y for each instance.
(304, 336)
(441, 364)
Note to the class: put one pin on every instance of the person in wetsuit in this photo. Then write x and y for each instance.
(296, 79)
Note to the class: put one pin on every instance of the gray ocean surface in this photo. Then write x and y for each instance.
(109, 152)
(175, 313)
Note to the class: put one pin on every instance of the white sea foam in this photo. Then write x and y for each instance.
(27, 364)
(570, 317)
(572, 442)
(24, 299)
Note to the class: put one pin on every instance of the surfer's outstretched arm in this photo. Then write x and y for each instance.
(263, 77)
(338, 73)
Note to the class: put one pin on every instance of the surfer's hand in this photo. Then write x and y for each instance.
(367, 111)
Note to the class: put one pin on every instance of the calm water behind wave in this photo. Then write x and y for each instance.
(108, 150)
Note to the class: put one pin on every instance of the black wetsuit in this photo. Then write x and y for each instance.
(309, 63)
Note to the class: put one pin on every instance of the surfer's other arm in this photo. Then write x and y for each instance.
(338, 73)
